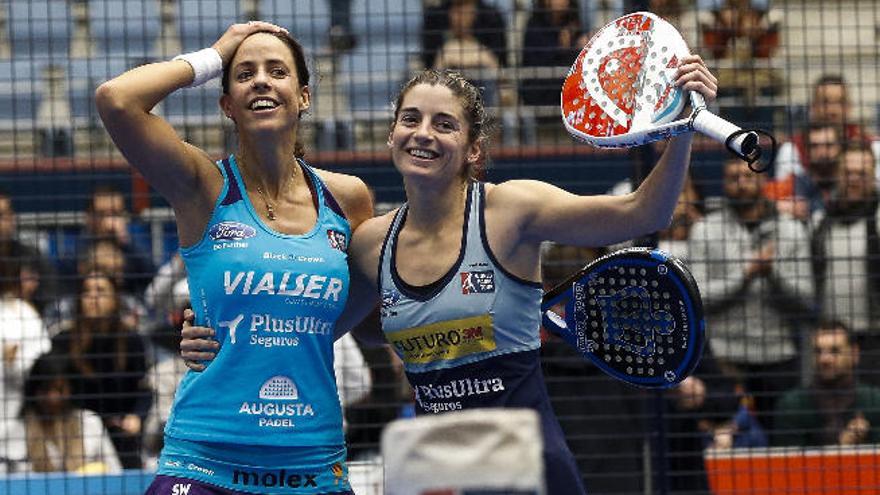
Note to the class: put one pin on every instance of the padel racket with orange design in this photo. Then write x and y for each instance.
(620, 92)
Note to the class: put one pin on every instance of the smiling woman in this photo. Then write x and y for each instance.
(230, 214)
(458, 265)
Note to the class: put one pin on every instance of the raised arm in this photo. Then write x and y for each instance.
(549, 213)
(175, 169)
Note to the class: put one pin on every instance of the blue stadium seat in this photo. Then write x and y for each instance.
(21, 86)
(387, 33)
(23, 71)
(18, 106)
(387, 22)
(84, 76)
(125, 26)
(307, 20)
(372, 76)
(201, 22)
(39, 28)
(193, 105)
(97, 69)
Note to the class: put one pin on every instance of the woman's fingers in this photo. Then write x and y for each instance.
(194, 366)
(236, 33)
(693, 75)
(266, 26)
(196, 344)
(198, 356)
(191, 332)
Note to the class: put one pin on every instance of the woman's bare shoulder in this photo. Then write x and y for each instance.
(351, 193)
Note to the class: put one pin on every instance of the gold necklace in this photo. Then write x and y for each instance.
(270, 210)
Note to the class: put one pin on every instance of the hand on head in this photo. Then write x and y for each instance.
(228, 43)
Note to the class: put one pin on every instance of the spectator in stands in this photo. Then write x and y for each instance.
(161, 297)
(830, 104)
(682, 15)
(465, 51)
(60, 435)
(834, 409)
(108, 365)
(341, 38)
(105, 256)
(167, 370)
(37, 276)
(22, 339)
(741, 29)
(553, 38)
(752, 264)
(487, 27)
(806, 195)
(741, 32)
(846, 249)
(704, 402)
(107, 217)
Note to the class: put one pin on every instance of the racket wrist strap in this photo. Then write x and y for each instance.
(206, 65)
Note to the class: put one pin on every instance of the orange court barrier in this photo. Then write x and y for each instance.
(832, 470)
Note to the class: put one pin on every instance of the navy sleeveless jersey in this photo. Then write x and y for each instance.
(273, 300)
(472, 339)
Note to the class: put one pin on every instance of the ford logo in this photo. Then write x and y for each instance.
(231, 231)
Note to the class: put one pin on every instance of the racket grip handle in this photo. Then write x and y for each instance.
(719, 129)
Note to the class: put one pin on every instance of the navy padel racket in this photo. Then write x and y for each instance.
(635, 313)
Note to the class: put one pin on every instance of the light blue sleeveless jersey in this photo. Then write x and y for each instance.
(477, 311)
(472, 339)
(273, 300)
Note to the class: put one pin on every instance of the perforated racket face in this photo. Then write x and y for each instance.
(622, 81)
(638, 316)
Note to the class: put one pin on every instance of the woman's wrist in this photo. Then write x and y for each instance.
(206, 65)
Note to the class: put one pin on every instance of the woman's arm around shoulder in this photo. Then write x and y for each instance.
(356, 201)
(364, 253)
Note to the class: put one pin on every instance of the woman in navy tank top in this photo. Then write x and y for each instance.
(457, 267)
(265, 239)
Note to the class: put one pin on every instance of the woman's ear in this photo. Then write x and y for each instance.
(225, 106)
(305, 101)
(475, 152)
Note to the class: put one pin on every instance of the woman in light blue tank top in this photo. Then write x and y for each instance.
(458, 266)
(265, 239)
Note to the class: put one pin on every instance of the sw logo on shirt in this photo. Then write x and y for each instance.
(181, 489)
(337, 240)
(482, 282)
